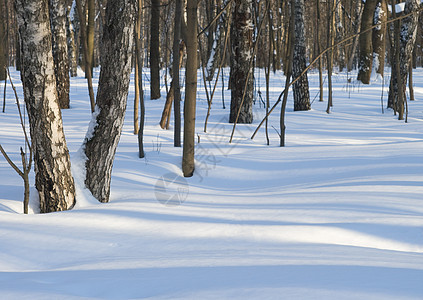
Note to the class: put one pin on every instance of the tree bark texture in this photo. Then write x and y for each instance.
(340, 34)
(408, 33)
(89, 60)
(190, 90)
(53, 178)
(100, 145)
(3, 44)
(300, 88)
(70, 31)
(155, 50)
(242, 77)
(175, 76)
(58, 11)
(365, 42)
(379, 36)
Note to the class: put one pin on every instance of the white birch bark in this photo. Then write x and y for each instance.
(100, 146)
(53, 178)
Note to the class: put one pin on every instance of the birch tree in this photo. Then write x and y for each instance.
(58, 11)
(407, 38)
(242, 79)
(53, 179)
(101, 143)
(300, 87)
(379, 36)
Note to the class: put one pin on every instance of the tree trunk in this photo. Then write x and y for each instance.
(191, 90)
(407, 35)
(379, 37)
(89, 60)
(365, 41)
(60, 50)
(300, 88)
(3, 43)
(340, 34)
(138, 71)
(330, 41)
(176, 66)
(242, 78)
(155, 50)
(72, 52)
(100, 144)
(410, 82)
(358, 15)
(318, 50)
(53, 178)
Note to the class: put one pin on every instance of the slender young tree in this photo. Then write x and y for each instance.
(190, 90)
(242, 79)
(53, 178)
(58, 9)
(330, 42)
(89, 59)
(155, 50)
(175, 72)
(3, 43)
(138, 72)
(300, 87)
(70, 31)
(100, 144)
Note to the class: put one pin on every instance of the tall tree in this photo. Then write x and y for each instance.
(242, 78)
(100, 144)
(365, 42)
(3, 42)
(53, 178)
(300, 87)
(190, 90)
(330, 43)
(155, 50)
(58, 12)
(175, 73)
(89, 59)
(70, 30)
(406, 37)
(379, 36)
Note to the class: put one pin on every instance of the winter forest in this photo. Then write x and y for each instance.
(216, 149)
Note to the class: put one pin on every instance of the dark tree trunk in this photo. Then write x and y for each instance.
(191, 90)
(242, 77)
(300, 87)
(100, 145)
(53, 178)
(3, 43)
(155, 50)
(58, 11)
(365, 42)
(175, 80)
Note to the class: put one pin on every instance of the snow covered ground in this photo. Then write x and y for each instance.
(336, 214)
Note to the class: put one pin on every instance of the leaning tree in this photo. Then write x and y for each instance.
(101, 143)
